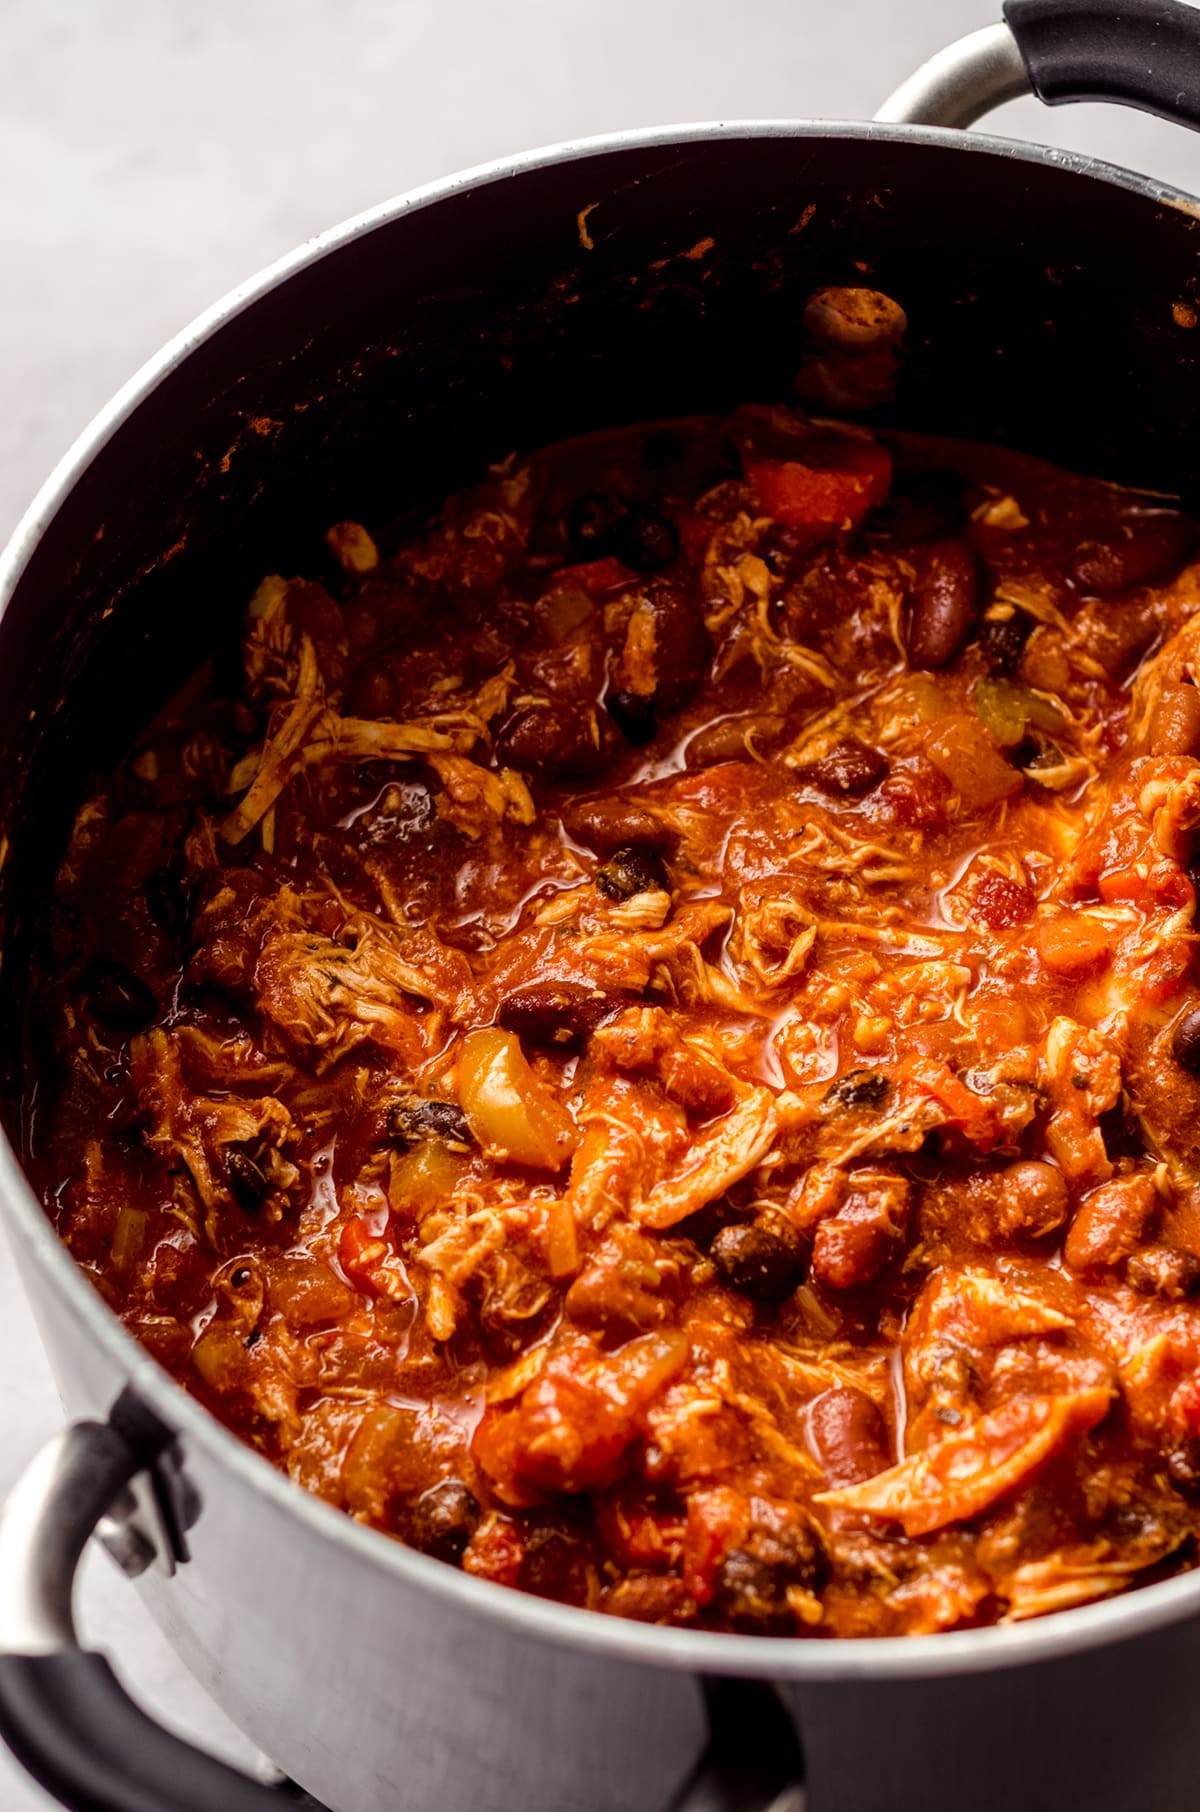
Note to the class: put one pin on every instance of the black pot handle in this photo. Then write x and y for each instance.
(753, 1762)
(63, 1713)
(1142, 53)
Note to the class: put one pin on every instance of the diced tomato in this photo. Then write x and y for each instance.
(637, 1535)
(371, 1262)
(496, 1551)
(597, 576)
(852, 476)
(1123, 883)
(1000, 902)
(717, 1520)
(1073, 944)
(1185, 1406)
(969, 1112)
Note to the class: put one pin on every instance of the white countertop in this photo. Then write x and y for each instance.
(152, 155)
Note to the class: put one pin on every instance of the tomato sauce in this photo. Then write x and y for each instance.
(646, 1044)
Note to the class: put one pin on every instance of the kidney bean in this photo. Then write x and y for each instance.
(1149, 546)
(372, 693)
(1110, 1224)
(849, 767)
(649, 1598)
(1033, 1199)
(682, 647)
(1165, 1271)
(443, 1520)
(1185, 1041)
(850, 1250)
(612, 823)
(1175, 721)
(632, 871)
(548, 738)
(852, 1247)
(945, 605)
(554, 1014)
(615, 1303)
(731, 739)
(848, 1436)
(757, 1261)
(117, 997)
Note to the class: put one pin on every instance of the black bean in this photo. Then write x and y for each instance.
(633, 715)
(409, 1121)
(945, 605)
(858, 1088)
(1185, 1041)
(591, 522)
(444, 1519)
(752, 1581)
(166, 901)
(555, 1014)
(631, 871)
(247, 1184)
(756, 1261)
(1002, 643)
(750, 1596)
(117, 997)
(645, 541)
(849, 767)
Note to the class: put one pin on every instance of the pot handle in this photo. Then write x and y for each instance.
(64, 1714)
(753, 1762)
(1139, 53)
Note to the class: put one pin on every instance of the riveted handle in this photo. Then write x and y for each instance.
(63, 1712)
(1138, 53)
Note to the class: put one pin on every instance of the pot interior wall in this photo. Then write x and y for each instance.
(619, 286)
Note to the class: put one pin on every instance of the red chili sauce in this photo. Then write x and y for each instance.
(650, 1048)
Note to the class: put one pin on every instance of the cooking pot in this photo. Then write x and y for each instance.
(1053, 305)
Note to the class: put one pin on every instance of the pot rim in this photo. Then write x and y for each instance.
(786, 1658)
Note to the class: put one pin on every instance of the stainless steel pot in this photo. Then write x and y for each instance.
(1052, 304)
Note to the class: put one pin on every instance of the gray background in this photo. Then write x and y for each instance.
(155, 152)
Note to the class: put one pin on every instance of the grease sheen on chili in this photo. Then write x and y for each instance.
(646, 1047)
